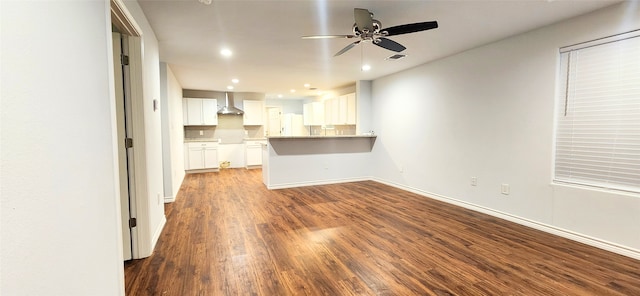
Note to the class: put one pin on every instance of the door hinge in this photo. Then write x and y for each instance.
(133, 222)
(128, 142)
(124, 60)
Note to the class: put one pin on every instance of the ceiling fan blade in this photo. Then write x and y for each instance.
(390, 45)
(363, 19)
(410, 28)
(350, 46)
(327, 36)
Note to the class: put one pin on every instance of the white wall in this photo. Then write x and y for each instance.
(287, 105)
(152, 127)
(364, 121)
(177, 131)
(304, 162)
(172, 133)
(60, 214)
(488, 113)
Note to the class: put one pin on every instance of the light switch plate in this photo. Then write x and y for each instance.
(504, 189)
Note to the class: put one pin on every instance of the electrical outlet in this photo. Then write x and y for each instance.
(474, 181)
(202, 133)
(504, 189)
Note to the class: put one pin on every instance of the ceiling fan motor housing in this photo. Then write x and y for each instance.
(377, 25)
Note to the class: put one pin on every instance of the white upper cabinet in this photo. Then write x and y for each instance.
(351, 108)
(200, 111)
(210, 112)
(340, 110)
(313, 113)
(328, 111)
(334, 111)
(253, 112)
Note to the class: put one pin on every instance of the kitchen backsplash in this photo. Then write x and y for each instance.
(337, 130)
(254, 132)
(230, 130)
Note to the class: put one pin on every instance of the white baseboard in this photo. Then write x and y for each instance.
(321, 182)
(169, 199)
(157, 232)
(202, 171)
(595, 242)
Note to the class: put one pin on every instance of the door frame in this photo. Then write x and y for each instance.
(125, 159)
(124, 22)
(267, 109)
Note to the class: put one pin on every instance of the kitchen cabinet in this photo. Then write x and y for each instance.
(352, 110)
(313, 113)
(198, 111)
(201, 155)
(253, 153)
(331, 111)
(340, 110)
(253, 112)
(328, 112)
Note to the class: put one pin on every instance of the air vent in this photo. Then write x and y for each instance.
(396, 57)
(313, 88)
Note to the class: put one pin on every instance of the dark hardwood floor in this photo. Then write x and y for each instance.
(226, 234)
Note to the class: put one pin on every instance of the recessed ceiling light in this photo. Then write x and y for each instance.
(235, 80)
(229, 86)
(307, 85)
(292, 90)
(279, 96)
(226, 52)
(366, 67)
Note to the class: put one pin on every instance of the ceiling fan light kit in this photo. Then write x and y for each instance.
(368, 29)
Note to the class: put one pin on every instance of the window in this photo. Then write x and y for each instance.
(598, 119)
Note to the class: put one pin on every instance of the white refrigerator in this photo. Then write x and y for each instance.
(292, 125)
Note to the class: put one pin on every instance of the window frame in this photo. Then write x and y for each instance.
(561, 104)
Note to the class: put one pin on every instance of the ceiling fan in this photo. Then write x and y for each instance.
(368, 29)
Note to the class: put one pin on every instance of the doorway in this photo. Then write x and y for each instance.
(274, 123)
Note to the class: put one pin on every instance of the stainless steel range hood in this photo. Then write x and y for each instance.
(229, 108)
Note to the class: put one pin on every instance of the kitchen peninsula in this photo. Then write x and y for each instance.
(313, 160)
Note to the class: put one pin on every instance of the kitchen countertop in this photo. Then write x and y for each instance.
(200, 140)
(222, 142)
(320, 137)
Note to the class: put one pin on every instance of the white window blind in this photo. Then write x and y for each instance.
(598, 123)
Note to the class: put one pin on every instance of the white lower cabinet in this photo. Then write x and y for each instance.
(201, 155)
(253, 153)
(210, 158)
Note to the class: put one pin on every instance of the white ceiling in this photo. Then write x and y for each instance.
(270, 57)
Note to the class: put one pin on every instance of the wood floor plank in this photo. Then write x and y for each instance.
(226, 234)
